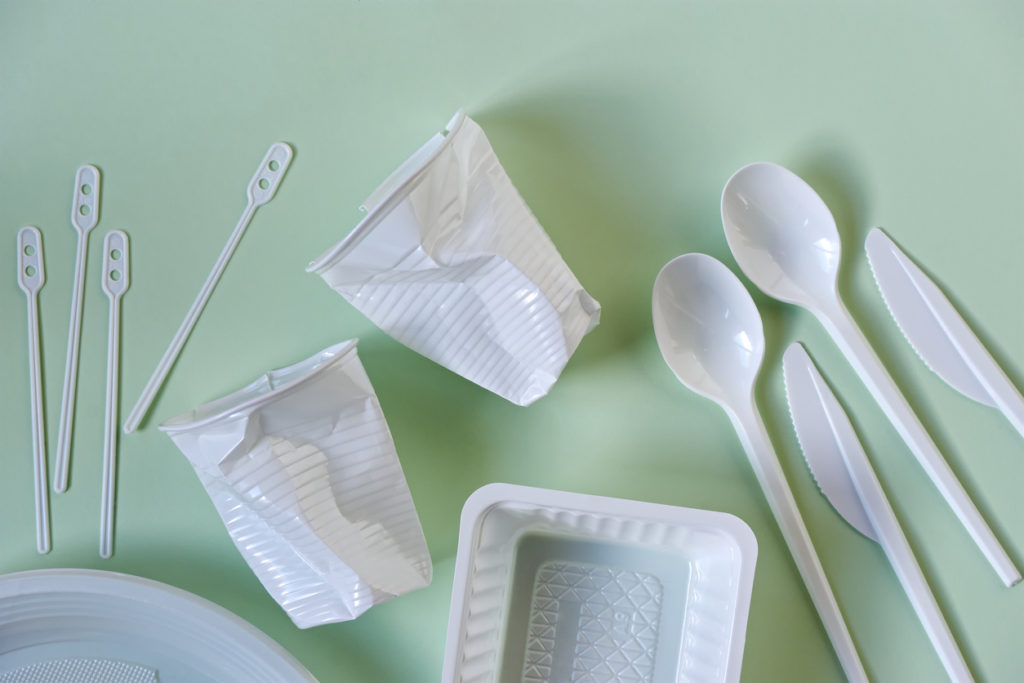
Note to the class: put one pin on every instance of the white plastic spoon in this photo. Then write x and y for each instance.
(31, 278)
(785, 239)
(115, 281)
(85, 211)
(710, 333)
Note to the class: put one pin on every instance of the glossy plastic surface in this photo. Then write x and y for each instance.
(939, 334)
(710, 333)
(844, 474)
(785, 240)
(708, 330)
(781, 233)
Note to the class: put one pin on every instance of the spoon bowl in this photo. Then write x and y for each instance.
(782, 234)
(708, 328)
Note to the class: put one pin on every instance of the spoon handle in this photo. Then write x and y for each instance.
(855, 347)
(750, 428)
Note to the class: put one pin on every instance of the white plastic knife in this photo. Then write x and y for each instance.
(938, 334)
(843, 473)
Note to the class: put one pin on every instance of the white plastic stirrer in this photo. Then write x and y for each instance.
(260, 191)
(84, 216)
(115, 282)
(30, 279)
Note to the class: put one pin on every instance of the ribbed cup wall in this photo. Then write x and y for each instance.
(309, 486)
(456, 267)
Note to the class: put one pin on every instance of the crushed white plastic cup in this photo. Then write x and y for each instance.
(302, 469)
(451, 262)
(552, 586)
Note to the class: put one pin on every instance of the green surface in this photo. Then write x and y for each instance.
(619, 123)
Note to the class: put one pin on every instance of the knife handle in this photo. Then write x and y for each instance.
(991, 377)
(855, 347)
(908, 571)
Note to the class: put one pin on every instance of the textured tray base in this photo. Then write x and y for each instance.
(592, 624)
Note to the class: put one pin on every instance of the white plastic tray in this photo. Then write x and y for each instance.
(552, 586)
(53, 614)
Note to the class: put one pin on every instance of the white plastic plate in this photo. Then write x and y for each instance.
(55, 614)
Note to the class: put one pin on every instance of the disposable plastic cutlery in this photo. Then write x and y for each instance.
(85, 213)
(115, 282)
(937, 332)
(785, 240)
(260, 191)
(710, 333)
(844, 475)
(31, 278)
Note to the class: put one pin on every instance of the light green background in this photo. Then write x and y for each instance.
(619, 123)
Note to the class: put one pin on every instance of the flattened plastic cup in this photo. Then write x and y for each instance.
(552, 586)
(451, 262)
(303, 471)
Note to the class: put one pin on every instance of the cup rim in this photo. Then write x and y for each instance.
(413, 169)
(184, 422)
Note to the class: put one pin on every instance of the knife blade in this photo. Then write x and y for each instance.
(937, 332)
(844, 474)
(823, 432)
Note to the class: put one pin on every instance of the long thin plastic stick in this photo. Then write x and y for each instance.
(754, 437)
(84, 216)
(30, 279)
(115, 282)
(858, 351)
(260, 191)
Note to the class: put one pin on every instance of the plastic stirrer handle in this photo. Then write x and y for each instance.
(31, 278)
(751, 430)
(855, 347)
(115, 281)
(260, 191)
(84, 216)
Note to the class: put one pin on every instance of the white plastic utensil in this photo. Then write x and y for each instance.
(785, 239)
(939, 335)
(85, 213)
(710, 333)
(116, 275)
(844, 474)
(260, 191)
(31, 278)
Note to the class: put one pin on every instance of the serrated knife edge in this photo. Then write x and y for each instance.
(811, 412)
(989, 384)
